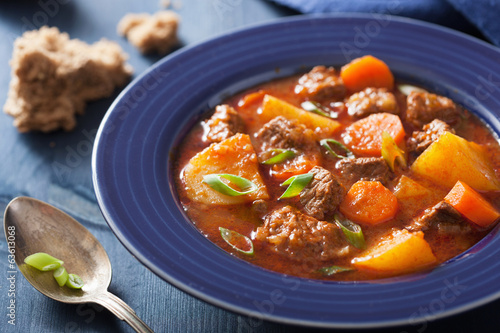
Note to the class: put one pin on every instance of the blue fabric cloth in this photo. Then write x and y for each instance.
(479, 18)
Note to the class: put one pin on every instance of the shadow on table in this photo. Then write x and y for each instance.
(481, 319)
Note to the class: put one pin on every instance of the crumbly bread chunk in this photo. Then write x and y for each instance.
(54, 76)
(150, 33)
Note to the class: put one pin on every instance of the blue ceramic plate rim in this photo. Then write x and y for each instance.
(133, 178)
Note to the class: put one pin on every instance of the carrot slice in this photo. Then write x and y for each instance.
(297, 166)
(364, 136)
(369, 202)
(365, 72)
(472, 204)
(252, 98)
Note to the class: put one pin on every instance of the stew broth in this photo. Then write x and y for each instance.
(446, 240)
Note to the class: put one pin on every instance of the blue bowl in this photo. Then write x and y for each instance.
(134, 183)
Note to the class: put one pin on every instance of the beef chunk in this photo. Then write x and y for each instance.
(224, 123)
(363, 168)
(442, 217)
(299, 236)
(323, 194)
(423, 107)
(260, 207)
(420, 140)
(372, 100)
(286, 134)
(320, 84)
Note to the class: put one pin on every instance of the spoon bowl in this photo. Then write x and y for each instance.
(40, 227)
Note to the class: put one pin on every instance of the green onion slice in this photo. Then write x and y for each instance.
(391, 153)
(61, 276)
(325, 143)
(408, 89)
(352, 232)
(43, 261)
(296, 185)
(317, 108)
(333, 270)
(282, 155)
(237, 241)
(74, 281)
(215, 182)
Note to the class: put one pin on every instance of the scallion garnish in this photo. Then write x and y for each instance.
(282, 155)
(391, 152)
(352, 232)
(333, 270)
(43, 261)
(317, 108)
(74, 281)
(215, 182)
(296, 185)
(237, 241)
(61, 276)
(325, 143)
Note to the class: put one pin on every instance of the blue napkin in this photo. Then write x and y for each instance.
(479, 18)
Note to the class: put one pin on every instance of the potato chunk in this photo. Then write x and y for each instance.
(400, 252)
(409, 188)
(412, 196)
(234, 155)
(273, 107)
(452, 158)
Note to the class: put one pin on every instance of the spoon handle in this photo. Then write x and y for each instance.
(120, 309)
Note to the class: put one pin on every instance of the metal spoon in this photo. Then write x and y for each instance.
(33, 226)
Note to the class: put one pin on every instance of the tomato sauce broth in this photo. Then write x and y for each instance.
(244, 219)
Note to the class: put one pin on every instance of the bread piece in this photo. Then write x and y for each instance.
(53, 77)
(155, 33)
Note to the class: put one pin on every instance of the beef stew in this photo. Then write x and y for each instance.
(341, 174)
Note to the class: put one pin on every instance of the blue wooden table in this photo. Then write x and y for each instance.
(31, 166)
